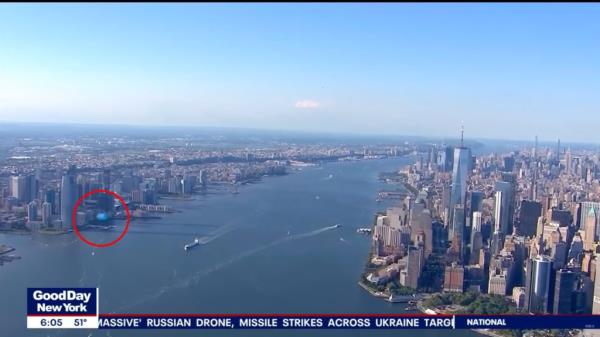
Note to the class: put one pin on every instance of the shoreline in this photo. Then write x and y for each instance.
(377, 294)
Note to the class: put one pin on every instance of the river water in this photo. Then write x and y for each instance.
(267, 249)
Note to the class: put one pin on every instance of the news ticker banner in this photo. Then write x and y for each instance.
(78, 308)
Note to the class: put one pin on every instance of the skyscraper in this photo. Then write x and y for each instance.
(445, 159)
(454, 277)
(456, 228)
(537, 285)
(203, 177)
(475, 202)
(32, 211)
(476, 222)
(509, 163)
(587, 212)
(528, 217)
(68, 194)
(498, 211)
(457, 231)
(588, 224)
(414, 266)
(460, 173)
(20, 188)
(564, 291)
(596, 298)
(476, 238)
(46, 213)
(106, 179)
(505, 207)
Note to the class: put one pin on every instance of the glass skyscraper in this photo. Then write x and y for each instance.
(460, 173)
(68, 195)
(537, 288)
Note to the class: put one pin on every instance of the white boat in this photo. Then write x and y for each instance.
(192, 245)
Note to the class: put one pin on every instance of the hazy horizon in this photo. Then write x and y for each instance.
(451, 140)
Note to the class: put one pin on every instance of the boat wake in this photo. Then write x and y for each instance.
(216, 234)
(196, 277)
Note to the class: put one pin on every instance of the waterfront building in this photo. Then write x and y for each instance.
(397, 217)
(46, 213)
(149, 196)
(136, 196)
(187, 184)
(68, 197)
(19, 188)
(391, 240)
(414, 266)
(203, 178)
(50, 197)
(420, 227)
(174, 185)
(32, 211)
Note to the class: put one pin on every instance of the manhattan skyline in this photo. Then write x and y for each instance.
(505, 71)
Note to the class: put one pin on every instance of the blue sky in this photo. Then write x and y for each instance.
(504, 70)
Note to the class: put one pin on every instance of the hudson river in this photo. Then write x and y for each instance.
(267, 249)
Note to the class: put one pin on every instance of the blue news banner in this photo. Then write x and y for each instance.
(64, 308)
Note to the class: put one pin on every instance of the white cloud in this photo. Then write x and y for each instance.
(307, 104)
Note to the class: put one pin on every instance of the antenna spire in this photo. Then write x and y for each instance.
(462, 135)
